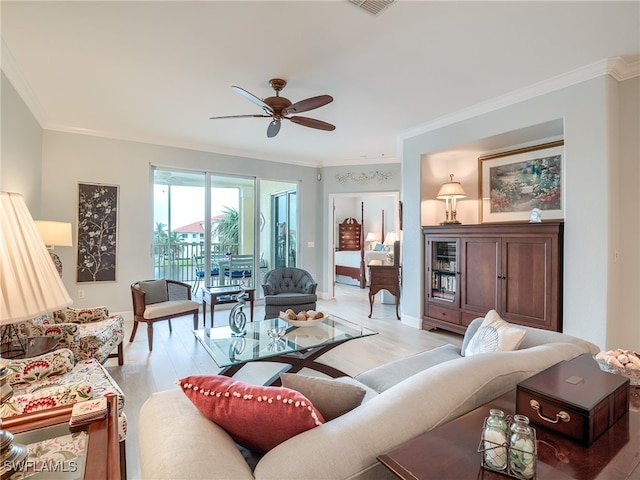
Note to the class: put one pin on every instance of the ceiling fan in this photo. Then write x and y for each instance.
(280, 108)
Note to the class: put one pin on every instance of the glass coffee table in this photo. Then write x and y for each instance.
(298, 348)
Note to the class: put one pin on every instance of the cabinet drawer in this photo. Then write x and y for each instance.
(446, 314)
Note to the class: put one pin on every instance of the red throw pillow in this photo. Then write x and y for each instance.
(256, 417)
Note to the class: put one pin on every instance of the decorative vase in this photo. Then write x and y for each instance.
(495, 440)
(522, 451)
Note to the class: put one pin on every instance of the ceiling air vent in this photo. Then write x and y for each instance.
(372, 6)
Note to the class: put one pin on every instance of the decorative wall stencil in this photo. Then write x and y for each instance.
(364, 178)
(97, 233)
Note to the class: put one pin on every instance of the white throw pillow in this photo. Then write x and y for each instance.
(495, 335)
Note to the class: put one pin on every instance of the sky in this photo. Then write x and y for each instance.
(188, 203)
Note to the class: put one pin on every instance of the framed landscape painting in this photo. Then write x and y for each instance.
(511, 184)
(97, 233)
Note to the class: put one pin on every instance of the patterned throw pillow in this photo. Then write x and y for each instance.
(256, 417)
(331, 397)
(494, 335)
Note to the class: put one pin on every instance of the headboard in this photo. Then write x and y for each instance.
(349, 235)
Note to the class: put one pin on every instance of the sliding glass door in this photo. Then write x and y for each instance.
(204, 230)
(278, 224)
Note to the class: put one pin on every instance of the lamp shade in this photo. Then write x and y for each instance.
(451, 189)
(55, 234)
(391, 238)
(371, 237)
(29, 282)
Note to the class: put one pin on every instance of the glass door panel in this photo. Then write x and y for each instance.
(444, 285)
(278, 225)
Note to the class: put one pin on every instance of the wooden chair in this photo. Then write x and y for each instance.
(155, 300)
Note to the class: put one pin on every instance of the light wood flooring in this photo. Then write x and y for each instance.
(179, 354)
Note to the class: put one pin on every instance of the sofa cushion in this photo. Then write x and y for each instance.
(494, 335)
(170, 307)
(155, 291)
(386, 376)
(256, 417)
(330, 397)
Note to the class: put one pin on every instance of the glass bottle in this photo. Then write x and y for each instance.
(522, 451)
(495, 440)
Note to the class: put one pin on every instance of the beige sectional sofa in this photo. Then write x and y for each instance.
(405, 398)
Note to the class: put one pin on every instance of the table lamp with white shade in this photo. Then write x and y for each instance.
(29, 282)
(450, 192)
(371, 237)
(55, 234)
(29, 286)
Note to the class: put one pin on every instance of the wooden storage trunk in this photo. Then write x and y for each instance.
(574, 398)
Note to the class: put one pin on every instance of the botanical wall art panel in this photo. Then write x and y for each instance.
(97, 233)
(514, 183)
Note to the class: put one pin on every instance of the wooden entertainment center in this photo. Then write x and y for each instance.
(513, 268)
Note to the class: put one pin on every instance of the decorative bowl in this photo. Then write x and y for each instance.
(632, 374)
(276, 333)
(303, 323)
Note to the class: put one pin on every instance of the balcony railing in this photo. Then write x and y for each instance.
(175, 261)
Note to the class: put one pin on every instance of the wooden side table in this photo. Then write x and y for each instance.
(104, 454)
(450, 451)
(384, 277)
(220, 295)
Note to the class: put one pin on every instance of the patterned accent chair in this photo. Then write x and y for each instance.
(88, 332)
(57, 378)
(286, 288)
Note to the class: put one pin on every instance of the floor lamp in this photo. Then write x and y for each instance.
(29, 286)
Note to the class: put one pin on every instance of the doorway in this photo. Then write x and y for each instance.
(380, 212)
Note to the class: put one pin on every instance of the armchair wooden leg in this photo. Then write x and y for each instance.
(195, 320)
(133, 332)
(150, 334)
(120, 354)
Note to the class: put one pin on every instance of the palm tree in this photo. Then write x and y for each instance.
(228, 229)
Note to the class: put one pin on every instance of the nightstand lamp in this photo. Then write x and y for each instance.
(450, 192)
(371, 237)
(392, 241)
(55, 234)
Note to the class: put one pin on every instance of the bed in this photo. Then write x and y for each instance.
(351, 258)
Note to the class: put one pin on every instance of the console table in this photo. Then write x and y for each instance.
(450, 451)
(384, 277)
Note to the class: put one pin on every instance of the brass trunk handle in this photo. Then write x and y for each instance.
(561, 415)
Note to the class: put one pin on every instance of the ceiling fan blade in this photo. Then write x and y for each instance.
(313, 123)
(239, 116)
(308, 104)
(273, 128)
(252, 98)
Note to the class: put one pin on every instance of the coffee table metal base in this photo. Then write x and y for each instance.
(295, 362)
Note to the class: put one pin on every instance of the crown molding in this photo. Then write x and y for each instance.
(14, 75)
(621, 69)
(617, 67)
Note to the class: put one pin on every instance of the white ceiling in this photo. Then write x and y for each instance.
(155, 71)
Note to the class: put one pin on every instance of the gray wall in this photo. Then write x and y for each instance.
(71, 158)
(21, 151)
(597, 145)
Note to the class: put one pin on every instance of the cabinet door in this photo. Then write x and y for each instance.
(442, 279)
(480, 274)
(528, 281)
